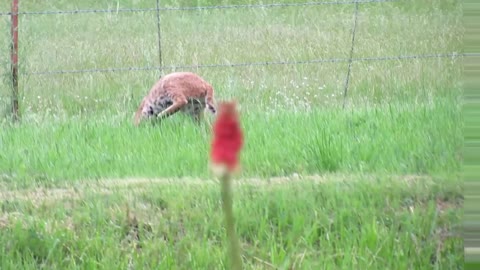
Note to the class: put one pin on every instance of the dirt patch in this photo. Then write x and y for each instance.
(77, 190)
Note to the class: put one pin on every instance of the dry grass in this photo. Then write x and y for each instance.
(78, 189)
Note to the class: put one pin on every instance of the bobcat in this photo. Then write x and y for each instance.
(178, 91)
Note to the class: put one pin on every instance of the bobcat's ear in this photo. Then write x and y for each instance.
(236, 104)
(232, 102)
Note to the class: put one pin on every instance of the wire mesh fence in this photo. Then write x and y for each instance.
(267, 63)
(196, 8)
(160, 10)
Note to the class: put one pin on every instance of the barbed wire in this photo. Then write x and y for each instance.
(273, 5)
(267, 63)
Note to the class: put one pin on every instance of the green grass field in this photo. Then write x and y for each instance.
(330, 222)
(373, 186)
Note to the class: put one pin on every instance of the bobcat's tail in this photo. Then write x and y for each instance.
(138, 114)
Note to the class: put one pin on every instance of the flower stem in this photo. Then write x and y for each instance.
(235, 253)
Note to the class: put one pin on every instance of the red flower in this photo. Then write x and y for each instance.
(227, 137)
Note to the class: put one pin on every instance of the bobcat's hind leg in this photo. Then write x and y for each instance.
(178, 103)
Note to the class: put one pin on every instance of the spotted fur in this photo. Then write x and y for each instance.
(180, 91)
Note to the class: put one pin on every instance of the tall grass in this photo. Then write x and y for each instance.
(105, 40)
(396, 139)
(401, 116)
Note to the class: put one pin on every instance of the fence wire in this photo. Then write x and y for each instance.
(267, 63)
(158, 8)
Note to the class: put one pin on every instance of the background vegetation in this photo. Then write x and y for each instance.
(402, 118)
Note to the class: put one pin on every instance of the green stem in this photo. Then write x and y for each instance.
(235, 253)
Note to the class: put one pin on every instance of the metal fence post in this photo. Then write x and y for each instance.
(159, 38)
(347, 78)
(14, 60)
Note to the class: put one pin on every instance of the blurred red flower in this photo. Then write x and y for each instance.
(227, 138)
